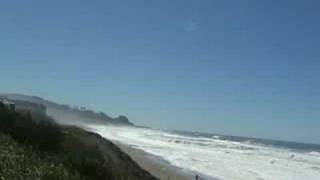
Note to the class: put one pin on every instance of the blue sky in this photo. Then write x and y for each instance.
(246, 68)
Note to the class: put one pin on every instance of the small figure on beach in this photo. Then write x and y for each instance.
(197, 177)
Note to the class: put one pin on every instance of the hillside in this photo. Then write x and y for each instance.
(37, 147)
(66, 114)
(20, 162)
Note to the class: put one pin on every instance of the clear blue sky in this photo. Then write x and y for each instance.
(248, 68)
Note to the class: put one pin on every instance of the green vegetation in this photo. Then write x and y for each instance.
(19, 162)
(35, 147)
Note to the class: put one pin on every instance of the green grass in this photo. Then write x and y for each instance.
(20, 162)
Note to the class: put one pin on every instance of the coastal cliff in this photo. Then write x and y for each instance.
(59, 152)
(66, 114)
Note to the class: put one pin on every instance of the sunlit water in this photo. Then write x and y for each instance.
(220, 157)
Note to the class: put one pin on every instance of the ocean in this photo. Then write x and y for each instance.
(222, 157)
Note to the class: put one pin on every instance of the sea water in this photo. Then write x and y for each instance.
(223, 157)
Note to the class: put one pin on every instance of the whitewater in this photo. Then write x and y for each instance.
(218, 158)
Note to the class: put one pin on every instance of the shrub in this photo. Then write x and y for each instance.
(20, 162)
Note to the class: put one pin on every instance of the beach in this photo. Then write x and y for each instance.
(155, 165)
(213, 157)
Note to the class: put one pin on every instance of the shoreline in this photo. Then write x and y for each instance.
(156, 166)
(159, 167)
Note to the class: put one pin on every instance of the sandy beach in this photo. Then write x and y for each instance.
(156, 166)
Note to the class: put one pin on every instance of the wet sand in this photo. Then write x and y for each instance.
(155, 165)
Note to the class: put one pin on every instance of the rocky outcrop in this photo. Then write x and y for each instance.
(122, 120)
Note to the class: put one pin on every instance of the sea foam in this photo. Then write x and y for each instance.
(217, 158)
